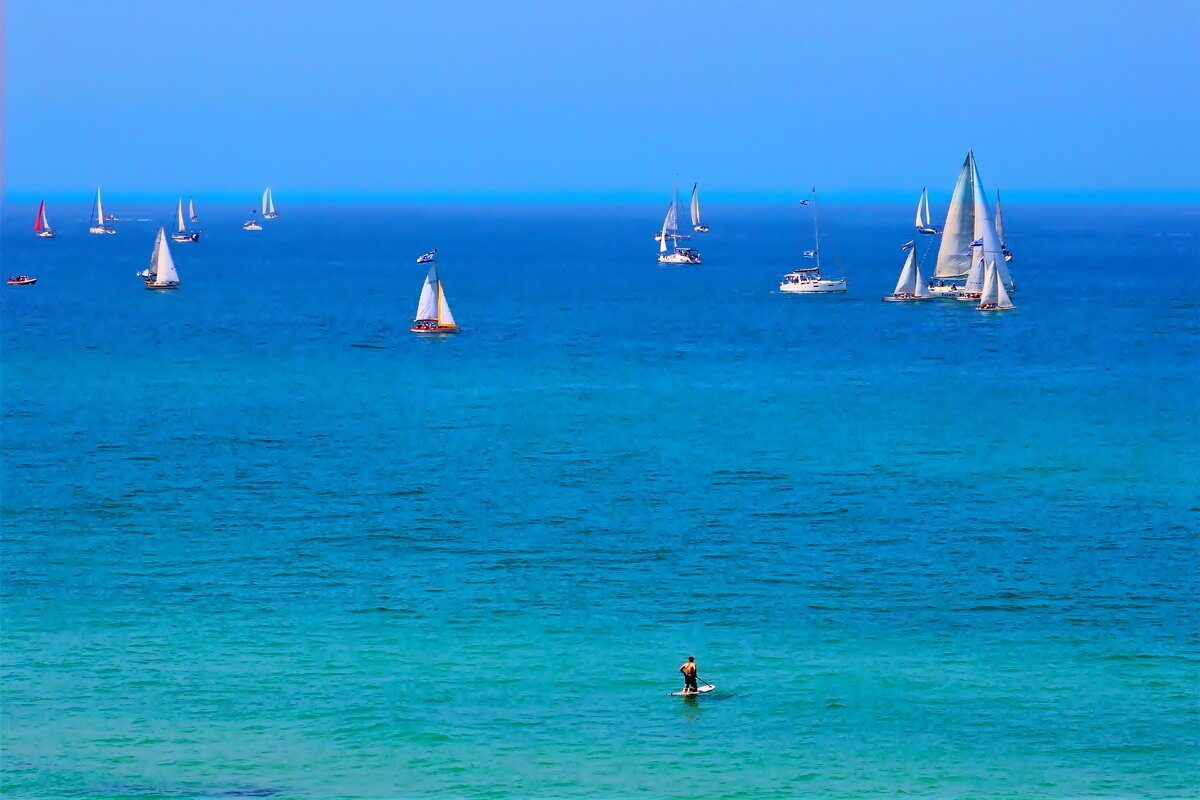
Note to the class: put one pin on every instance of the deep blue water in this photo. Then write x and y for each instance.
(258, 538)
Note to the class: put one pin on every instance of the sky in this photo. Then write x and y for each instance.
(542, 99)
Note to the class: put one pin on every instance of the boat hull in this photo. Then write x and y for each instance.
(22, 281)
(271, 216)
(895, 298)
(102, 230)
(680, 257)
(184, 238)
(435, 329)
(162, 286)
(701, 229)
(820, 287)
(47, 235)
(251, 226)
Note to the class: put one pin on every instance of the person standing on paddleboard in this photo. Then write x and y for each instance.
(689, 675)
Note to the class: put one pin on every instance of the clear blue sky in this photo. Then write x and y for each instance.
(607, 98)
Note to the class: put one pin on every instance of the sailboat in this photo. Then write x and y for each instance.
(100, 228)
(192, 210)
(1000, 230)
(911, 285)
(670, 230)
(182, 234)
(268, 205)
(995, 297)
(433, 312)
(968, 234)
(808, 280)
(41, 225)
(161, 274)
(923, 225)
(697, 226)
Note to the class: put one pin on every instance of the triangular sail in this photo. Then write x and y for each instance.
(662, 239)
(999, 220)
(192, 209)
(99, 208)
(985, 230)
(427, 306)
(923, 209)
(989, 296)
(444, 317)
(908, 279)
(954, 256)
(162, 266)
(179, 217)
(1002, 298)
(920, 287)
(975, 277)
(41, 215)
(266, 198)
(695, 205)
(45, 221)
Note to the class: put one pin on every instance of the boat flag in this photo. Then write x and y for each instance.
(909, 245)
(810, 253)
(430, 256)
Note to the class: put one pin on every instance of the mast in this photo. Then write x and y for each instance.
(816, 229)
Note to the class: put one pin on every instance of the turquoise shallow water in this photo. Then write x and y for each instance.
(259, 540)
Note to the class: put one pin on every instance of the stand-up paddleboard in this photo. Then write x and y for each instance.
(708, 687)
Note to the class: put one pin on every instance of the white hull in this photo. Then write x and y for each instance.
(680, 257)
(251, 226)
(46, 234)
(101, 230)
(271, 216)
(897, 298)
(185, 238)
(945, 290)
(819, 286)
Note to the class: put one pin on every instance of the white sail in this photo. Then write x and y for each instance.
(673, 217)
(990, 284)
(266, 198)
(999, 220)
(179, 217)
(427, 306)
(45, 219)
(975, 277)
(444, 317)
(662, 242)
(923, 209)
(695, 205)
(161, 263)
(985, 230)
(192, 209)
(1002, 298)
(920, 287)
(99, 208)
(908, 279)
(954, 257)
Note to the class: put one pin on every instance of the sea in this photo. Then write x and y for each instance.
(260, 540)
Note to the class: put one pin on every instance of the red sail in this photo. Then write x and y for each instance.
(37, 225)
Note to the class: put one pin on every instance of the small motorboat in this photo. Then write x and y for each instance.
(21, 280)
(251, 225)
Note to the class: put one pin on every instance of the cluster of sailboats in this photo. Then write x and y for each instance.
(972, 250)
(674, 254)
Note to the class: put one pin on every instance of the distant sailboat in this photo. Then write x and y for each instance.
(808, 280)
(268, 205)
(433, 311)
(1008, 256)
(41, 225)
(670, 230)
(98, 208)
(911, 285)
(923, 225)
(968, 234)
(182, 234)
(192, 210)
(161, 274)
(995, 297)
(697, 226)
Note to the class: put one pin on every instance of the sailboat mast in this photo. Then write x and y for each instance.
(816, 229)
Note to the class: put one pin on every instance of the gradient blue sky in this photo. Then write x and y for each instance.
(611, 99)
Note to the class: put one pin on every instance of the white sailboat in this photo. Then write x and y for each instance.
(808, 280)
(182, 234)
(968, 234)
(41, 225)
(161, 274)
(923, 225)
(192, 210)
(911, 286)
(697, 225)
(670, 230)
(995, 296)
(100, 228)
(268, 205)
(433, 311)
(1008, 256)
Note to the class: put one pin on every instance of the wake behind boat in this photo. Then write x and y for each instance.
(808, 280)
